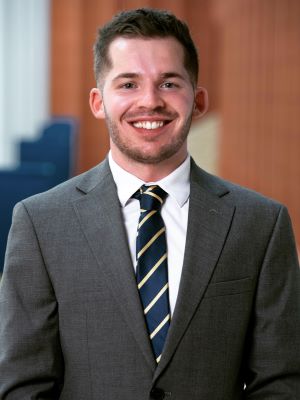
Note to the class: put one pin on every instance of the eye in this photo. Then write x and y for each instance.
(168, 85)
(128, 85)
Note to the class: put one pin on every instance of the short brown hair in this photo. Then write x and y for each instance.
(145, 23)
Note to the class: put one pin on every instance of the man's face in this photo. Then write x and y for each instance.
(147, 99)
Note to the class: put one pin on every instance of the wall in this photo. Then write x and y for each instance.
(260, 97)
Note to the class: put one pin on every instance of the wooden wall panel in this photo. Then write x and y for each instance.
(66, 63)
(260, 97)
(74, 27)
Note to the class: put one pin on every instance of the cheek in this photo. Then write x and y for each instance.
(184, 110)
(117, 107)
(182, 104)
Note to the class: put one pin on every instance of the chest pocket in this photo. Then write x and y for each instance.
(229, 287)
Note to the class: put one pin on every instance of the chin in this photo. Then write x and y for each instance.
(152, 157)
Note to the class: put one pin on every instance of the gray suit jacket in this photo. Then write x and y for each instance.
(71, 322)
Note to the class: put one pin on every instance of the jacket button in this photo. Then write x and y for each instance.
(157, 394)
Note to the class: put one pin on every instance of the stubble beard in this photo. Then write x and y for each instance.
(141, 155)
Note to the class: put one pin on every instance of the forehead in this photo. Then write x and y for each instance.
(146, 55)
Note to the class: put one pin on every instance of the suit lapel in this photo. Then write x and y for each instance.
(209, 222)
(100, 216)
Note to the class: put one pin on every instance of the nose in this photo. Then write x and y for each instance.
(150, 98)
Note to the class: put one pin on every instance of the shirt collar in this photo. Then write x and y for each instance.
(176, 184)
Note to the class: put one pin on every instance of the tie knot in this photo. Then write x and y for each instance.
(150, 197)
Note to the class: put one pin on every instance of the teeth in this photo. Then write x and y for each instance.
(148, 124)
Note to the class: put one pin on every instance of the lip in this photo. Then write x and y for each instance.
(148, 118)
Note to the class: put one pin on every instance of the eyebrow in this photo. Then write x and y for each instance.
(132, 75)
(128, 75)
(168, 75)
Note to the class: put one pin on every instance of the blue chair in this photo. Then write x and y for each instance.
(46, 162)
(57, 145)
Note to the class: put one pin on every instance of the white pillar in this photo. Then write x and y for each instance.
(24, 72)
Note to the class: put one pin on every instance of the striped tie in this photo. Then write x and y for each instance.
(152, 268)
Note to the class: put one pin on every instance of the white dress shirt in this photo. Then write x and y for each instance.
(174, 213)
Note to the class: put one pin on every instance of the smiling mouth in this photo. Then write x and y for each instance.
(149, 124)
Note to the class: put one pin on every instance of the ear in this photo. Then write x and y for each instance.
(200, 102)
(96, 103)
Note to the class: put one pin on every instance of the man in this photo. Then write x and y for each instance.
(75, 324)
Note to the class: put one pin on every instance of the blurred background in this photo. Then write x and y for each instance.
(249, 62)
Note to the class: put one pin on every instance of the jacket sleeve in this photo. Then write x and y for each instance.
(273, 361)
(31, 362)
